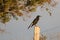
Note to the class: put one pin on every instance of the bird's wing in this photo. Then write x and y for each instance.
(30, 25)
(35, 21)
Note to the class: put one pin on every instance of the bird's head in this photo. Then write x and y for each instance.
(38, 16)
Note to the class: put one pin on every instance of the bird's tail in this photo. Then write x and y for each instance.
(30, 25)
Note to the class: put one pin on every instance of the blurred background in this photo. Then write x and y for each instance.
(17, 30)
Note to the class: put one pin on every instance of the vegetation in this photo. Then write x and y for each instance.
(14, 8)
(43, 37)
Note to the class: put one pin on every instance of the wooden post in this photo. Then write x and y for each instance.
(37, 33)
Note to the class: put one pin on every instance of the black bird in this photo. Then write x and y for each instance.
(34, 21)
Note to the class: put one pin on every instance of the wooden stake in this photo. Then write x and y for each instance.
(37, 33)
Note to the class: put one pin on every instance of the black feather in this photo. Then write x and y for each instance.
(35, 21)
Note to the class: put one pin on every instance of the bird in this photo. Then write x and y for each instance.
(35, 21)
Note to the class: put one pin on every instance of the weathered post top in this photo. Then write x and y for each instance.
(36, 33)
